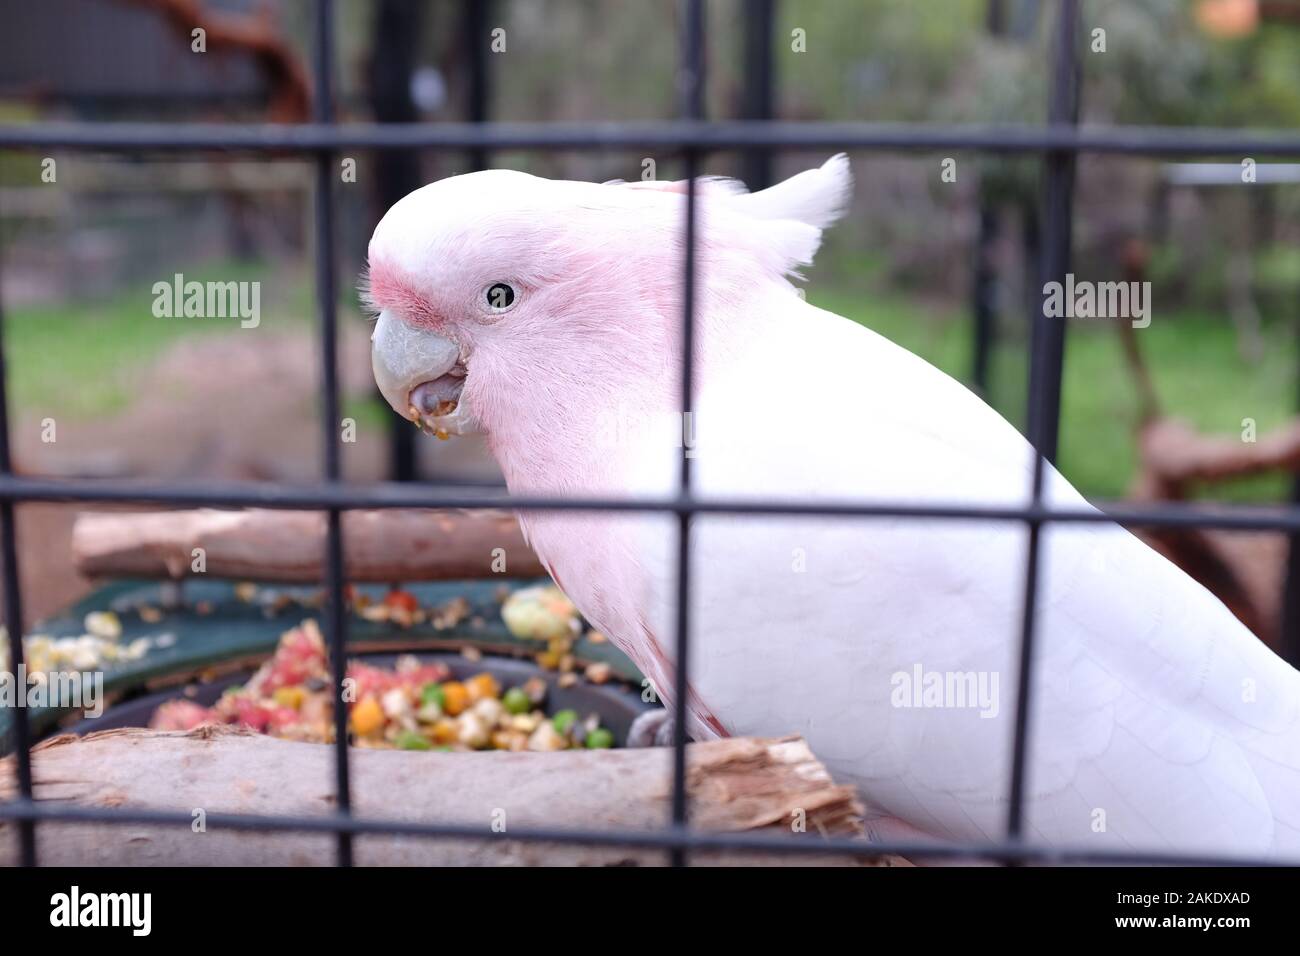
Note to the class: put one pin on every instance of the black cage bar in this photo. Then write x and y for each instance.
(690, 137)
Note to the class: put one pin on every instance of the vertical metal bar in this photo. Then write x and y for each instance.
(758, 96)
(1046, 363)
(326, 289)
(984, 290)
(691, 88)
(984, 294)
(394, 41)
(1289, 626)
(13, 599)
(474, 22)
(1058, 197)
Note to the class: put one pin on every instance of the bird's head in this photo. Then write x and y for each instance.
(497, 290)
(521, 306)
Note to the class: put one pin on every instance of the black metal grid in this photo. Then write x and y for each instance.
(690, 137)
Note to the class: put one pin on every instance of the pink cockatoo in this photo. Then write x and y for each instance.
(547, 315)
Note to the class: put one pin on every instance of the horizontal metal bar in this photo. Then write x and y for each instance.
(672, 135)
(387, 495)
(667, 837)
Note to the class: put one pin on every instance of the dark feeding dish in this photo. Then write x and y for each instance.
(615, 703)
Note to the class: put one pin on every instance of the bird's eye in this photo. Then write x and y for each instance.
(500, 296)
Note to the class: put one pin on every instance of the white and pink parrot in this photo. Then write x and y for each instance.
(548, 314)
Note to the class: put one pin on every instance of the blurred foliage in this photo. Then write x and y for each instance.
(82, 361)
(1198, 374)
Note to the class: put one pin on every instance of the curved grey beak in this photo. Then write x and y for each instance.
(420, 375)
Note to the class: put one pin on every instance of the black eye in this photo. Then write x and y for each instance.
(500, 296)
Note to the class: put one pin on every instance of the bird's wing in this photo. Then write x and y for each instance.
(1159, 720)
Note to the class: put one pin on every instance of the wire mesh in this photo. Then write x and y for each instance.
(691, 137)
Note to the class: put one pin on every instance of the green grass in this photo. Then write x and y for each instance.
(371, 413)
(80, 359)
(83, 361)
(1199, 377)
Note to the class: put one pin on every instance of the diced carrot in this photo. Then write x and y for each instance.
(481, 686)
(367, 717)
(456, 698)
(445, 731)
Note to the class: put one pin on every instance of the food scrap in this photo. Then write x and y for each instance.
(544, 613)
(99, 647)
(411, 706)
(540, 613)
(427, 423)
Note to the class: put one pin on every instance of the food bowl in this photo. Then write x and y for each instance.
(616, 704)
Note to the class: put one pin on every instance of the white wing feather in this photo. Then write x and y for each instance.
(1159, 720)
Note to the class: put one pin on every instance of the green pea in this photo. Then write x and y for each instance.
(410, 740)
(516, 701)
(600, 739)
(563, 720)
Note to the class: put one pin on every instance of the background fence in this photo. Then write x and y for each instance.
(691, 137)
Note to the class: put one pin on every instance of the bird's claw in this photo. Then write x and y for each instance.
(654, 728)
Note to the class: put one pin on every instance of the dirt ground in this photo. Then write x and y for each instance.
(234, 407)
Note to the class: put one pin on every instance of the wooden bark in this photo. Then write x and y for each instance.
(287, 546)
(1241, 570)
(736, 784)
(255, 35)
(1177, 454)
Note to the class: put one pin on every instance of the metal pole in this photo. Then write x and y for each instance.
(691, 90)
(1046, 363)
(1289, 629)
(397, 28)
(984, 290)
(326, 289)
(475, 24)
(760, 81)
(13, 599)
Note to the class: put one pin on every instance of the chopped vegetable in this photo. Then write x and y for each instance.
(290, 696)
(103, 624)
(516, 701)
(455, 697)
(541, 614)
(433, 694)
(546, 737)
(482, 685)
(367, 717)
(414, 705)
(445, 731)
(412, 740)
(472, 730)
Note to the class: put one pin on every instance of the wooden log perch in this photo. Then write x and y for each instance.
(286, 546)
(1177, 454)
(735, 784)
(253, 34)
(1243, 571)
